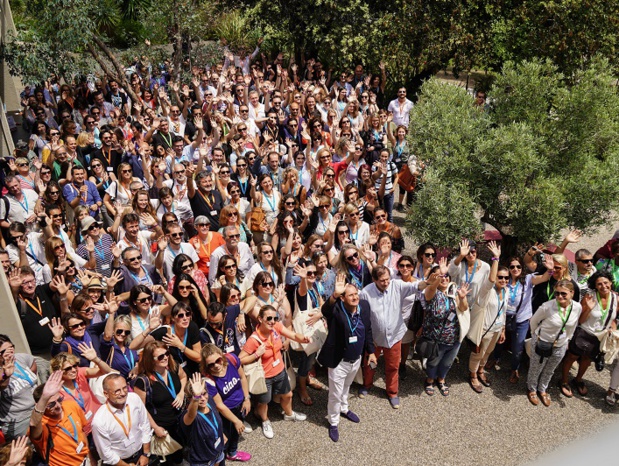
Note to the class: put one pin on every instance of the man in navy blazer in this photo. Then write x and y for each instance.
(350, 336)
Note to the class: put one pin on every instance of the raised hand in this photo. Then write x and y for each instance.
(162, 243)
(494, 249)
(59, 285)
(8, 365)
(19, 450)
(443, 266)
(155, 320)
(171, 339)
(15, 279)
(573, 236)
(464, 247)
(88, 351)
(56, 327)
(300, 270)
(279, 293)
(52, 386)
(197, 384)
(340, 284)
(463, 290)
(116, 251)
(588, 301)
(115, 277)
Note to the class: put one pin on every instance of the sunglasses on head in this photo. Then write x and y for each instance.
(352, 257)
(162, 356)
(120, 332)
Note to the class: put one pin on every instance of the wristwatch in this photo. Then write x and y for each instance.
(147, 454)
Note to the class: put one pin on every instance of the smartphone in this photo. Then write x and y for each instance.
(372, 365)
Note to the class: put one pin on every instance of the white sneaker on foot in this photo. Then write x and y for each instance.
(267, 429)
(295, 417)
(248, 428)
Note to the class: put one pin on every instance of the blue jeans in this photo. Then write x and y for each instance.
(438, 367)
(388, 200)
(516, 338)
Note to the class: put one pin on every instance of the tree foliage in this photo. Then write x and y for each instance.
(545, 156)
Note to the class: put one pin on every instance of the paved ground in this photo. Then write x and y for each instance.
(498, 426)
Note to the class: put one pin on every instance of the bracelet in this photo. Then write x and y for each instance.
(495, 259)
(197, 398)
(37, 411)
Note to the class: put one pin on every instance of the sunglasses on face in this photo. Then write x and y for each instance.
(267, 284)
(47, 173)
(237, 236)
(342, 232)
(162, 356)
(217, 362)
(70, 368)
(429, 254)
(586, 261)
(93, 227)
(136, 258)
(122, 333)
(60, 246)
(272, 318)
(144, 300)
(179, 172)
(176, 235)
(76, 326)
(60, 398)
(187, 267)
(352, 257)
(241, 165)
(290, 203)
(311, 273)
(183, 315)
(502, 277)
(184, 287)
(515, 267)
(230, 267)
(268, 252)
(561, 294)
(406, 265)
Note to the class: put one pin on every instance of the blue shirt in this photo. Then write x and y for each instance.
(70, 192)
(201, 437)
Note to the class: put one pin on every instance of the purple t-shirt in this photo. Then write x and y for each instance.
(229, 386)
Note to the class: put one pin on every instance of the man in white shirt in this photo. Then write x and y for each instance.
(21, 204)
(120, 428)
(168, 250)
(27, 249)
(385, 298)
(235, 248)
(139, 239)
(400, 108)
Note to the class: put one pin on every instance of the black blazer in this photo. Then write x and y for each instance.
(332, 351)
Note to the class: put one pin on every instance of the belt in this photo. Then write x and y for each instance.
(351, 361)
(134, 458)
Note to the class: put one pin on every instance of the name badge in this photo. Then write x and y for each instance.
(44, 321)
(352, 339)
(80, 447)
(105, 267)
(216, 444)
(276, 363)
(213, 212)
(208, 264)
(451, 317)
(229, 349)
(88, 415)
(110, 169)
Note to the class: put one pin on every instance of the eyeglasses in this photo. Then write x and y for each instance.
(352, 257)
(230, 267)
(162, 356)
(585, 261)
(429, 254)
(272, 318)
(561, 294)
(515, 267)
(136, 258)
(144, 300)
(76, 326)
(311, 273)
(267, 284)
(217, 362)
(119, 391)
(237, 236)
(179, 172)
(233, 214)
(342, 232)
(186, 314)
(187, 267)
(175, 235)
(126, 171)
(406, 265)
(70, 368)
(503, 277)
(268, 252)
(122, 333)
(58, 400)
(60, 246)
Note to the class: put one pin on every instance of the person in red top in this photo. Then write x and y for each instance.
(266, 344)
(59, 420)
(205, 242)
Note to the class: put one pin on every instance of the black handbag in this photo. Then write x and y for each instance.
(543, 348)
(510, 319)
(416, 320)
(426, 348)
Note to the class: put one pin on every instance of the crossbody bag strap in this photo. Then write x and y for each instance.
(563, 326)
(610, 312)
(494, 321)
(521, 298)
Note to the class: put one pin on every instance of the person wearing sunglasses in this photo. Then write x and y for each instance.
(231, 217)
(205, 242)
(71, 332)
(488, 320)
(359, 230)
(229, 273)
(240, 251)
(467, 268)
(132, 272)
(96, 243)
(611, 265)
(171, 246)
(227, 387)
(356, 265)
(21, 203)
(17, 385)
(57, 418)
(552, 326)
(205, 200)
(321, 218)
(118, 194)
(27, 179)
(161, 386)
(145, 316)
(114, 345)
(241, 175)
(236, 200)
(265, 344)
(381, 224)
(542, 292)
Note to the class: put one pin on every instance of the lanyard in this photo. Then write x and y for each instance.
(608, 305)
(271, 203)
(501, 300)
(127, 429)
(22, 203)
(138, 280)
(466, 273)
(22, 374)
(209, 201)
(273, 276)
(102, 254)
(213, 425)
(184, 341)
(75, 433)
(564, 315)
(222, 332)
(26, 180)
(32, 254)
(352, 329)
(207, 252)
(170, 387)
(513, 292)
(174, 254)
(141, 322)
(83, 196)
(243, 186)
(320, 287)
(131, 364)
(108, 157)
(80, 401)
(313, 297)
(167, 141)
(38, 309)
(548, 293)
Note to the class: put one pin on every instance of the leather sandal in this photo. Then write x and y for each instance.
(483, 379)
(475, 385)
(566, 390)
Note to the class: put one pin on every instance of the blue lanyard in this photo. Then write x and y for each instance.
(352, 329)
(75, 433)
(141, 322)
(102, 254)
(513, 292)
(22, 203)
(243, 186)
(138, 280)
(170, 387)
(321, 288)
(174, 254)
(273, 276)
(32, 254)
(80, 401)
(213, 425)
(131, 364)
(466, 272)
(271, 299)
(184, 341)
(271, 204)
(313, 297)
(501, 300)
(22, 374)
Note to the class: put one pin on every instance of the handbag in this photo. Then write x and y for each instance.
(406, 180)
(163, 447)
(510, 319)
(416, 319)
(426, 348)
(256, 380)
(257, 217)
(543, 348)
(317, 332)
(292, 376)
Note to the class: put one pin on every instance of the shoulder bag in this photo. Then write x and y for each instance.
(254, 372)
(317, 332)
(543, 348)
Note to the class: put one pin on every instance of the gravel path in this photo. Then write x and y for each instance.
(498, 426)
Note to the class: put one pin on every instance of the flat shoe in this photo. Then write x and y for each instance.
(532, 396)
(306, 400)
(545, 397)
(483, 379)
(475, 385)
(580, 387)
(429, 389)
(443, 388)
(514, 377)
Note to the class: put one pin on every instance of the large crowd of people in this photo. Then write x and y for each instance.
(181, 261)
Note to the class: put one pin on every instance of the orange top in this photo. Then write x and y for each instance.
(273, 352)
(64, 452)
(205, 251)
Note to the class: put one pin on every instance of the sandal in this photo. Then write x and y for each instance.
(514, 377)
(306, 400)
(443, 388)
(317, 384)
(475, 385)
(483, 379)
(610, 399)
(580, 387)
(429, 388)
(566, 390)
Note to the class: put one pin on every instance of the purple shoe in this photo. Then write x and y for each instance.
(334, 433)
(350, 416)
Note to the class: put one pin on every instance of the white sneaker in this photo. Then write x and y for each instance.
(248, 428)
(267, 429)
(294, 417)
